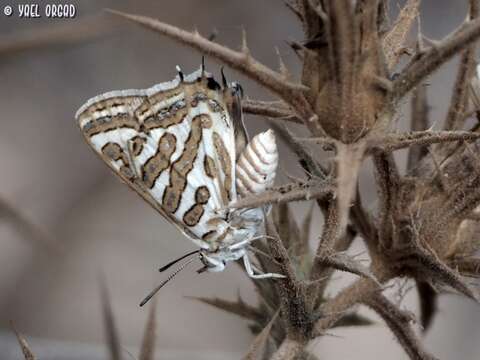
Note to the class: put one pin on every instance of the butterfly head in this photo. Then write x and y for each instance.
(216, 261)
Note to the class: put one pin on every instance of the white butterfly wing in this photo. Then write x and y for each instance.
(174, 145)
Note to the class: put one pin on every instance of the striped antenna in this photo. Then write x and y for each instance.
(164, 282)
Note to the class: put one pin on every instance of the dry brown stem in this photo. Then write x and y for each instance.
(432, 59)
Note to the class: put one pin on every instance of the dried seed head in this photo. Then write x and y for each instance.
(257, 165)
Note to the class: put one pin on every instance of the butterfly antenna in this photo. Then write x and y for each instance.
(224, 79)
(164, 282)
(180, 73)
(165, 267)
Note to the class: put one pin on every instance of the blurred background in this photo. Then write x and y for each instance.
(88, 223)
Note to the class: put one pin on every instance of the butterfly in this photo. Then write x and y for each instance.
(183, 147)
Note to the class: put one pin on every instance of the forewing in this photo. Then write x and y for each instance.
(174, 145)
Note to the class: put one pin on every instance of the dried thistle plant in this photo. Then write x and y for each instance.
(348, 96)
(426, 226)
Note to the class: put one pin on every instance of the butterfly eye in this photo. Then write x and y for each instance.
(212, 84)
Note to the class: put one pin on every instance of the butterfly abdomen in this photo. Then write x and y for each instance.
(256, 166)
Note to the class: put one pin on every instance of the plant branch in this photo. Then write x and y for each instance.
(26, 350)
(399, 323)
(432, 59)
(334, 309)
(271, 109)
(291, 292)
(387, 179)
(307, 161)
(291, 93)
(460, 94)
(418, 122)
(286, 193)
(394, 142)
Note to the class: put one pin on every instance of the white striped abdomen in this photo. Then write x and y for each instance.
(257, 165)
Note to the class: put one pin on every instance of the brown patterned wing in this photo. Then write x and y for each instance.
(174, 145)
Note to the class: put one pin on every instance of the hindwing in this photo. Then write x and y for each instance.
(174, 144)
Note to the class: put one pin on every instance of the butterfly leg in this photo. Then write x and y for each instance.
(249, 268)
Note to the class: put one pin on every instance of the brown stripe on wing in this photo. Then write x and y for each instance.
(111, 105)
(108, 114)
(183, 165)
(106, 123)
(114, 152)
(137, 145)
(194, 214)
(226, 164)
(155, 165)
(165, 118)
(145, 109)
(209, 166)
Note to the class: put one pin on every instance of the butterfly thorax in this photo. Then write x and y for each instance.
(237, 226)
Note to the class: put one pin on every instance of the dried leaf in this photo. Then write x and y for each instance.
(428, 303)
(26, 228)
(353, 320)
(238, 307)
(399, 323)
(343, 262)
(433, 269)
(258, 344)
(147, 351)
(111, 333)
(27, 352)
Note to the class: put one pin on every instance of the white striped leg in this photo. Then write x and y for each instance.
(250, 268)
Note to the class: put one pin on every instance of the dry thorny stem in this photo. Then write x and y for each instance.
(347, 97)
